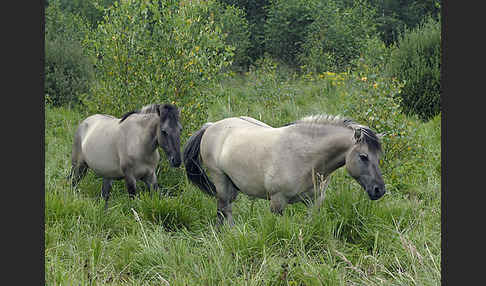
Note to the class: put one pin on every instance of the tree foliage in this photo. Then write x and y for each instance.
(337, 35)
(68, 70)
(286, 28)
(156, 51)
(394, 16)
(256, 15)
(416, 61)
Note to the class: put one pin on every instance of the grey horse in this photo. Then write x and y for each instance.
(242, 154)
(126, 148)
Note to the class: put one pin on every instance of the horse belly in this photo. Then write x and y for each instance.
(246, 164)
(101, 154)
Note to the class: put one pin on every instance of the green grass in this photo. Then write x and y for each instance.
(172, 239)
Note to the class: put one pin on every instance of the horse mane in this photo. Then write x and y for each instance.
(368, 135)
(152, 108)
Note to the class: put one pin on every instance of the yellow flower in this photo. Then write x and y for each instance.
(375, 85)
(364, 78)
(197, 48)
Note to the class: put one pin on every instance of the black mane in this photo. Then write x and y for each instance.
(166, 110)
(124, 116)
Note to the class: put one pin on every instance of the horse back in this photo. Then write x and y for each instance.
(242, 150)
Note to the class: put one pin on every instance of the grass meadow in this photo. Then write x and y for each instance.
(172, 239)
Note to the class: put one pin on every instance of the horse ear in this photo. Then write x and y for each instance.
(357, 134)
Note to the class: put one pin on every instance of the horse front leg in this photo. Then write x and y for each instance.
(131, 184)
(78, 171)
(225, 212)
(105, 191)
(278, 202)
(320, 189)
(151, 182)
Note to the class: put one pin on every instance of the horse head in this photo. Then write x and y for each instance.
(362, 162)
(169, 133)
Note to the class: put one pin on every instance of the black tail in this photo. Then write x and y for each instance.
(192, 162)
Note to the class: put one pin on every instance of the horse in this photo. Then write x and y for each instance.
(243, 154)
(126, 148)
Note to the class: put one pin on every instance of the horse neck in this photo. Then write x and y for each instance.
(151, 125)
(327, 149)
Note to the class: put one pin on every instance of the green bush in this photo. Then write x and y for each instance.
(374, 54)
(337, 36)
(256, 15)
(416, 61)
(237, 30)
(286, 28)
(68, 70)
(152, 51)
(90, 10)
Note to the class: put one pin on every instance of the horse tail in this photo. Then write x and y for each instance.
(192, 161)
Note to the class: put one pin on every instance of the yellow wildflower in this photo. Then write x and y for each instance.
(364, 78)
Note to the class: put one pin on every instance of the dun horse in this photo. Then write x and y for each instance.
(246, 155)
(126, 148)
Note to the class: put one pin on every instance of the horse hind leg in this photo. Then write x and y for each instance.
(78, 165)
(226, 193)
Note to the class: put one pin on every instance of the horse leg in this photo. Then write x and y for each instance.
(278, 202)
(322, 193)
(78, 171)
(151, 181)
(315, 205)
(225, 212)
(130, 184)
(105, 190)
(146, 181)
(226, 194)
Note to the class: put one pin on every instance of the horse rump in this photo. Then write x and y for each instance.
(193, 165)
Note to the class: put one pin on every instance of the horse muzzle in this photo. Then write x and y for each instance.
(375, 192)
(175, 161)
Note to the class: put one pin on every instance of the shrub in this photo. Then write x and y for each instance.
(337, 36)
(374, 54)
(68, 71)
(416, 60)
(152, 51)
(286, 28)
(256, 15)
(237, 30)
(90, 10)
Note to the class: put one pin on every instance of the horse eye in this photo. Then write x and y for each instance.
(363, 156)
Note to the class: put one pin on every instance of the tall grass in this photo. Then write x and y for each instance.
(173, 239)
